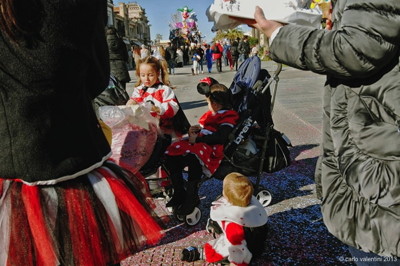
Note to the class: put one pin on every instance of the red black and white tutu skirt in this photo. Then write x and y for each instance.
(96, 219)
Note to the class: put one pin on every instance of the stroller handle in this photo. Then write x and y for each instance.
(278, 69)
(275, 78)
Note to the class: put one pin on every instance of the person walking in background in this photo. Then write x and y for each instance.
(209, 57)
(225, 47)
(118, 56)
(200, 52)
(133, 56)
(195, 64)
(235, 53)
(170, 56)
(229, 57)
(159, 53)
(185, 54)
(62, 201)
(244, 48)
(358, 172)
(130, 58)
(217, 55)
(179, 57)
(192, 51)
(144, 52)
(136, 55)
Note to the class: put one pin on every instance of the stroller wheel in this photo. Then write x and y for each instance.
(194, 217)
(180, 218)
(264, 197)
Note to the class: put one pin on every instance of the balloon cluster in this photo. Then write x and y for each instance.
(184, 25)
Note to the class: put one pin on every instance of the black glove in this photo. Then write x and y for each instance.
(190, 254)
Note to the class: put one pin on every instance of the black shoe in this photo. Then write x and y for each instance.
(175, 201)
(188, 206)
(191, 198)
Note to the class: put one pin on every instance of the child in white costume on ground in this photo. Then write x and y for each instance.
(235, 211)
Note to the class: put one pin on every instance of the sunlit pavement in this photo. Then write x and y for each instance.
(297, 235)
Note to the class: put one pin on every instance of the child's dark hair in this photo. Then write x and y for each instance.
(220, 94)
(157, 65)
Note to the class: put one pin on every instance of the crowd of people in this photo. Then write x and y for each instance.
(196, 55)
(64, 202)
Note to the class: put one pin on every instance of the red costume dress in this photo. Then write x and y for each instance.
(209, 155)
(231, 244)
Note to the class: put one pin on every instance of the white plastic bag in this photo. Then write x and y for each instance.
(134, 133)
(115, 116)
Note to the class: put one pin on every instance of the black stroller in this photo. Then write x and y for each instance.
(249, 148)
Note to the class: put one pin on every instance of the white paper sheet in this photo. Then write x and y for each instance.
(286, 11)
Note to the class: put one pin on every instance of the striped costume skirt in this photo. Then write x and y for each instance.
(96, 219)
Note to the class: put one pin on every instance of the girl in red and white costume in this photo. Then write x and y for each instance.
(150, 90)
(203, 151)
(235, 210)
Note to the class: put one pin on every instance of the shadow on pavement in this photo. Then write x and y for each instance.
(296, 236)
(288, 187)
(299, 237)
(180, 74)
(193, 104)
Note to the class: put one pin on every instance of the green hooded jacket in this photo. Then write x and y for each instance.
(358, 173)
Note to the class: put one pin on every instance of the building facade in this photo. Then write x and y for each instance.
(132, 23)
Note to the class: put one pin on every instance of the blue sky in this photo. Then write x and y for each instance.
(159, 14)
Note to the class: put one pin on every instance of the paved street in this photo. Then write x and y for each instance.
(297, 235)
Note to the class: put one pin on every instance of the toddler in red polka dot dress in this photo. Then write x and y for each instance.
(203, 151)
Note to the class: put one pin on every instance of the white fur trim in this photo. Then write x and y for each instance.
(253, 215)
(69, 177)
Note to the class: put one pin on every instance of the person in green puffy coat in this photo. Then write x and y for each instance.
(358, 172)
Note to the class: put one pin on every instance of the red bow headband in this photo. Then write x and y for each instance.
(204, 86)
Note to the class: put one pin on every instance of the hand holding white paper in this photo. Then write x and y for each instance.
(285, 11)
